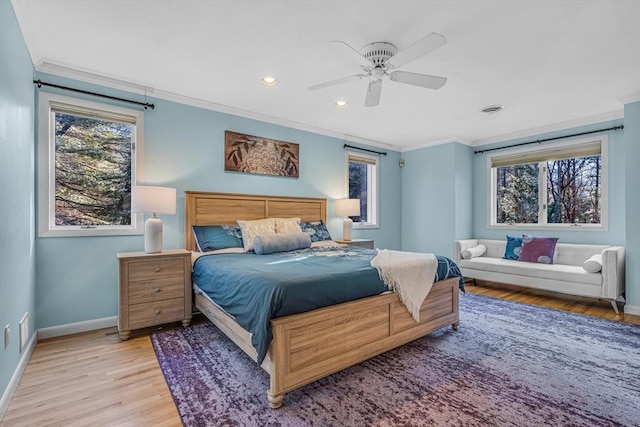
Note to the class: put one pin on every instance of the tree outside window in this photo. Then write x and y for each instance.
(558, 186)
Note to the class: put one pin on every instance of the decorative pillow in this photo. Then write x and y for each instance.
(514, 247)
(288, 225)
(316, 230)
(281, 242)
(538, 249)
(215, 237)
(250, 229)
(473, 252)
(593, 264)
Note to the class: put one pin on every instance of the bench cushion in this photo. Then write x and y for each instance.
(569, 273)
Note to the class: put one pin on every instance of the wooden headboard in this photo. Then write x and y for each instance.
(226, 208)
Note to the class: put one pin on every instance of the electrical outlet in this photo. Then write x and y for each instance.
(7, 336)
(24, 330)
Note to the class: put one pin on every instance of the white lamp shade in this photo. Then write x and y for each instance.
(348, 207)
(150, 199)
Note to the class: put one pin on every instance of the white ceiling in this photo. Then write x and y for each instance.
(549, 62)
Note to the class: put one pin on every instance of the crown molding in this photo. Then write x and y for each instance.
(630, 98)
(93, 78)
(195, 102)
(584, 121)
(114, 83)
(436, 142)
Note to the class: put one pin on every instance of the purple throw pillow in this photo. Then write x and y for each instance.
(538, 249)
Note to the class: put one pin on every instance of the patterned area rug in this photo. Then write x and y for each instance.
(509, 364)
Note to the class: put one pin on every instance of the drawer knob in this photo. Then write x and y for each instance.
(157, 270)
(157, 290)
(157, 311)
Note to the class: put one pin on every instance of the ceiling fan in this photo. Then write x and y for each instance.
(379, 59)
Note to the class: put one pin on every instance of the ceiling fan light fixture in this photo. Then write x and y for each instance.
(492, 109)
(340, 104)
(269, 81)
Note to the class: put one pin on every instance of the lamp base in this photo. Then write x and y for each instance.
(347, 226)
(153, 235)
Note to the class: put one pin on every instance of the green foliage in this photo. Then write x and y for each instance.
(518, 194)
(92, 171)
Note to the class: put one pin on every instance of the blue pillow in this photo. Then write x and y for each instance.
(214, 237)
(514, 247)
(281, 242)
(316, 230)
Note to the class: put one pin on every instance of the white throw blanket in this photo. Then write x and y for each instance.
(410, 274)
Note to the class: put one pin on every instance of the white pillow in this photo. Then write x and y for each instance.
(473, 252)
(593, 264)
(288, 225)
(250, 229)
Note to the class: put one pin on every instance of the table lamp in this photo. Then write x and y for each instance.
(347, 207)
(154, 200)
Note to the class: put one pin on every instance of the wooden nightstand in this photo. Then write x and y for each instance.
(364, 243)
(154, 289)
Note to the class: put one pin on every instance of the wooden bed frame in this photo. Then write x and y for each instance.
(309, 346)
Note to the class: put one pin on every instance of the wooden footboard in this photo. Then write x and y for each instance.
(309, 346)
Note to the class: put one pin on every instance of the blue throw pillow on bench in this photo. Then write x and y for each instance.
(514, 247)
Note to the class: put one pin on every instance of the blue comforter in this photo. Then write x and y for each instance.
(256, 288)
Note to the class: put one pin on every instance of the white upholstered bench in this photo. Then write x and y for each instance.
(566, 275)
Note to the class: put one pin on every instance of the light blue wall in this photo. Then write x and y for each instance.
(616, 230)
(17, 255)
(183, 148)
(436, 198)
(632, 207)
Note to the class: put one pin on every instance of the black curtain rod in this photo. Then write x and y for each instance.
(364, 149)
(549, 139)
(146, 105)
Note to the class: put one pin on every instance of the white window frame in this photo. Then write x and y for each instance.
(46, 169)
(542, 190)
(372, 185)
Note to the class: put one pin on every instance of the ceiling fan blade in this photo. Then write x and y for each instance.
(345, 47)
(415, 79)
(373, 93)
(423, 46)
(337, 81)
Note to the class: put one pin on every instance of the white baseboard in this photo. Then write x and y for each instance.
(75, 328)
(631, 309)
(17, 374)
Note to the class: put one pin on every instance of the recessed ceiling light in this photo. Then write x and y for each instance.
(340, 104)
(269, 81)
(492, 109)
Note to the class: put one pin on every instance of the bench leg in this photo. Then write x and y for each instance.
(615, 306)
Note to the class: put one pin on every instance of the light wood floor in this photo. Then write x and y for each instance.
(94, 379)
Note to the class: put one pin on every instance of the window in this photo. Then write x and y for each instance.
(363, 185)
(87, 164)
(558, 187)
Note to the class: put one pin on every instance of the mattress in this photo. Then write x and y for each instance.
(257, 288)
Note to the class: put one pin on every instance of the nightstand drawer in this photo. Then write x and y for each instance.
(156, 290)
(153, 289)
(156, 269)
(156, 313)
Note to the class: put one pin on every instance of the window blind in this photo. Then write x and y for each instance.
(355, 158)
(561, 153)
(57, 107)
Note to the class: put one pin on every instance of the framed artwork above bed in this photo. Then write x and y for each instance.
(254, 154)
